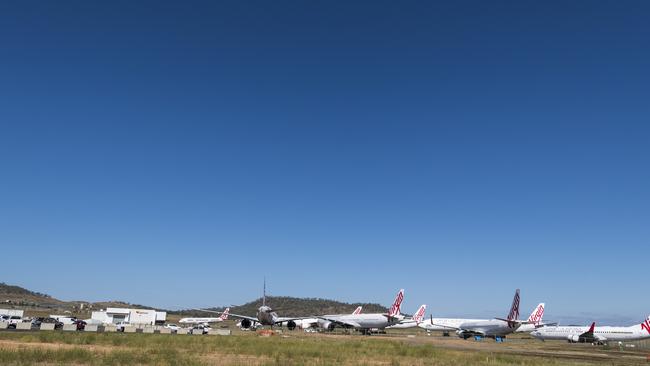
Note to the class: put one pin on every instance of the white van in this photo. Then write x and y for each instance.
(13, 320)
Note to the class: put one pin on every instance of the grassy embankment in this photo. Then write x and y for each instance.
(31, 348)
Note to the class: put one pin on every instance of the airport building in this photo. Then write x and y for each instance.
(131, 316)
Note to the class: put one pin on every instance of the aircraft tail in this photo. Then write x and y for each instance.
(224, 315)
(537, 314)
(419, 315)
(592, 327)
(357, 311)
(395, 309)
(513, 315)
(646, 325)
(264, 293)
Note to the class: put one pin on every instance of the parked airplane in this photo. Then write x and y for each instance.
(599, 335)
(534, 320)
(365, 322)
(224, 316)
(447, 324)
(312, 322)
(265, 316)
(417, 318)
(496, 328)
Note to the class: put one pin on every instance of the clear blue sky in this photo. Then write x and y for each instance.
(174, 153)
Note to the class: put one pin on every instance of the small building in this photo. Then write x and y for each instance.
(130, 316)
(12, 312)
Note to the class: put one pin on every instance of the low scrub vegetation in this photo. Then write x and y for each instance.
(47, 348)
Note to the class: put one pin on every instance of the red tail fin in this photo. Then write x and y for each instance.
(419, 315)
(537, 314)
(514, 309)
(592, 327)
(357, 311)
(224, 315)
(395, 309)
(646, 325)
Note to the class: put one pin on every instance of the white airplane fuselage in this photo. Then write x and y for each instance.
(266, 315)
(405, 324)
(199, 320)
(445, 324)
(487, 328)
(527, 328)
(365, 321)
(602, 334)
(302, 323)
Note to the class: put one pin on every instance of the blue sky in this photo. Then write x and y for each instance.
(174, 153)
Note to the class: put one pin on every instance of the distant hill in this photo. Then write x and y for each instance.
(17, 297)
(17, 290)
(12, 296)
(293, 306)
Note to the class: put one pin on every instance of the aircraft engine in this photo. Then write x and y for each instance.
(245, 324)
(573, 338)
(326, 324)
(291, 325)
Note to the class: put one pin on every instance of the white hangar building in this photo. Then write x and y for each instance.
(131, 316)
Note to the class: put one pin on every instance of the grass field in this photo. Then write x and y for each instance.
(54, 348)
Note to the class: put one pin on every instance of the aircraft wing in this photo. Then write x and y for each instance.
(343, 323)
(520, 322)
(446, 326)
(282, 320)
(541, 325)
(252, 319)
(464, 330)
(407, 321)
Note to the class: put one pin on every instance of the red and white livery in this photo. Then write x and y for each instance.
(595, 334)
(365, 322)
(414, 321)
(224, 316)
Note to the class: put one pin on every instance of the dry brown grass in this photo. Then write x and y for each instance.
(34, 348)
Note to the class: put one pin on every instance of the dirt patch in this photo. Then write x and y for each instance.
(233, 359)
(14, 345)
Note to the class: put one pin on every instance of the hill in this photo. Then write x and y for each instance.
(293, 306)
(12, 296)
(16, 297)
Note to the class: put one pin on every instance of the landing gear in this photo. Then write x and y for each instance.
(445, 334)
(291, 325)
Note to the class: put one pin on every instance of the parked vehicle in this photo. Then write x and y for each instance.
(36, 322)
(120, 326)
(174, 328)
(81, 325)
(64, 319)
(204, 329)
(13, 320)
